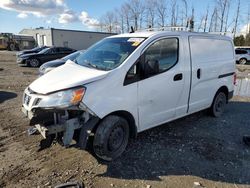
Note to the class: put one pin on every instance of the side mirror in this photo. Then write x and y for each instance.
(151, 68)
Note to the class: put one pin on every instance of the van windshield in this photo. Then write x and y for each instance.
(109, 53)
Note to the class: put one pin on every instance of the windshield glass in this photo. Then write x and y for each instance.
(109, 53)
(71, 56)
(36, 48)
(44, 51)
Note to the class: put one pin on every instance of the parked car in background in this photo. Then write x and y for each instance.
(247, 48)
(242, 56)
(33, 50)
(47, 54)
(46, 67)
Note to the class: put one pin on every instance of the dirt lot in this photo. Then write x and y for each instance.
(197, 148)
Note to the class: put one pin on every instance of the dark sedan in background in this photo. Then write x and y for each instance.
(47, 54)
(46, 67)
(33, 50)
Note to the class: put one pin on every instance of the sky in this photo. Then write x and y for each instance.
(81, 14)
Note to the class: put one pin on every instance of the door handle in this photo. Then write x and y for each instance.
(199, 73)
(178, 77)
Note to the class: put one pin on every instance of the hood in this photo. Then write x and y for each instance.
(27, 55)
(66, 76)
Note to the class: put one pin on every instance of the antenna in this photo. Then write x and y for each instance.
(132, 29)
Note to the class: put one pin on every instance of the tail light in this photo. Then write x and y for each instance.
(234, 78)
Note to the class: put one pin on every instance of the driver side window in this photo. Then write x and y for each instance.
(165, 52)
(159, 57)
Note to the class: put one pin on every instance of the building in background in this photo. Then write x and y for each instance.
(68, 38)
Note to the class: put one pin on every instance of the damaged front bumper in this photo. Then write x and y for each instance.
(60, 124)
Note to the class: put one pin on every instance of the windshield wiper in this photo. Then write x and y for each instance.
(92, 65)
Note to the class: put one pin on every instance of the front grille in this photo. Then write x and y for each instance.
(26, 99)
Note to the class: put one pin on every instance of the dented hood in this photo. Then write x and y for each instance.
(66, 76)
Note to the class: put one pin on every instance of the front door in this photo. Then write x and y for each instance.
(159, 94)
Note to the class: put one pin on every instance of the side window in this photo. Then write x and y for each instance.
(240, 52)
(133, 75)
(53, 50)
(61, 50)
(165, 52)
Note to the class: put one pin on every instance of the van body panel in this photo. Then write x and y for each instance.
(211, 57)
(109, 95)
(160, 97)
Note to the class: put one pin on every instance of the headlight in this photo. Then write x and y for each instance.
(63, 99)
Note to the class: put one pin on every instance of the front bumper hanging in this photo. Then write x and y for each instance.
(65, 128)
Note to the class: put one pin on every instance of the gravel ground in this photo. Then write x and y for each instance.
(195, 151)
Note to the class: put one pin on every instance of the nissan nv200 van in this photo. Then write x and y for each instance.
(129, 83)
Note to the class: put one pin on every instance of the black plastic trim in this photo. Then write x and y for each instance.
(226, 75)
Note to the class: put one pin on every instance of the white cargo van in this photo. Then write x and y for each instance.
(128, 83)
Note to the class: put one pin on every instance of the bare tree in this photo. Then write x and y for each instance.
(151, 6)
(248, 20)
(185, 18)
(161, 8)
(126, 13)
(227, 15)
(214, 21)
(237, 18)
(136, 8)
(173, 12)
(222, 4)
(176, 15)
(206, 20)
(201, 23)
(108, 21)
(191, 27)
(120, 19)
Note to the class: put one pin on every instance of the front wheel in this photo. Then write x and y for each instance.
(243, 61)
(34, 63)
(111, 138)
(218, 105)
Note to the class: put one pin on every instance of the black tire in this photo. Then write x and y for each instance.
(242, 61)
(34, 63)
(12, 47)
(111, 138)
(218, 106)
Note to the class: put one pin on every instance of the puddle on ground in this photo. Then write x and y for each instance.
(242, 87)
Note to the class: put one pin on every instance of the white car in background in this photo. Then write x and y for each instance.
(242, 56)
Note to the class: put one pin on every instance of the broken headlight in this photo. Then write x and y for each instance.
(63, 99)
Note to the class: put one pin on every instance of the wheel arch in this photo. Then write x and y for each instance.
(130, 119)
(223, 89)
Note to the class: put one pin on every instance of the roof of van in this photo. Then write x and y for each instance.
(168, 33)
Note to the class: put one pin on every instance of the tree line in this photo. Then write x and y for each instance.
(242, 40)
(141, 14)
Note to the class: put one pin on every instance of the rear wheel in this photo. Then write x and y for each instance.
(218, 105)
(242, 61)
(34, 63)
(111, 138)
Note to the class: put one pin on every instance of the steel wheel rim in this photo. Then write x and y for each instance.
(116, 138)
(220, 103)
